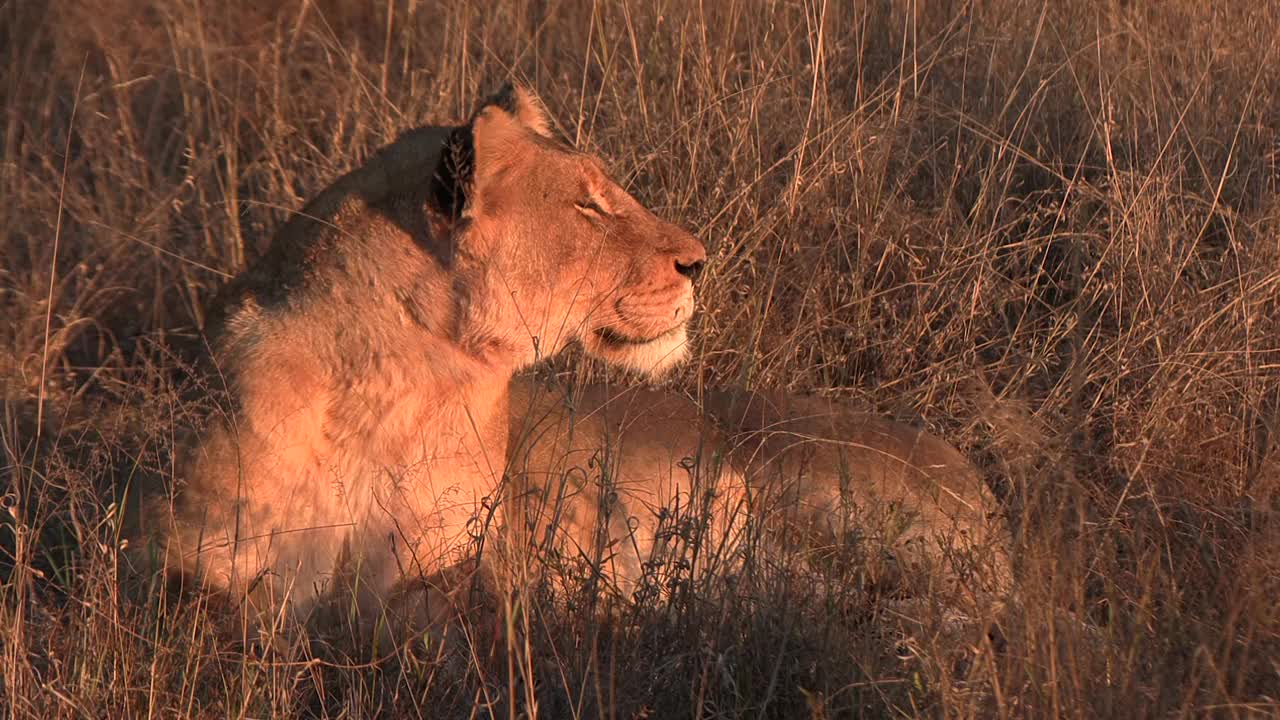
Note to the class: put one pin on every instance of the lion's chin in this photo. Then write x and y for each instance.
(651, 357)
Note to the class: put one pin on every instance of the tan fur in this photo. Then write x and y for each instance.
(606, 477)
(367, 355)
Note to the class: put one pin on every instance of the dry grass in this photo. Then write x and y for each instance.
(1050, 231)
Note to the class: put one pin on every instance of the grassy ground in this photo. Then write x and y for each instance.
(1050, 231)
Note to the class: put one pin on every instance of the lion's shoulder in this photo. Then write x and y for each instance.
(394, 183)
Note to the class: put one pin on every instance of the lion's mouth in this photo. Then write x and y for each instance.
(613, 338)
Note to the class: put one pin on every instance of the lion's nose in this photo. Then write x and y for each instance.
(690, 270)
(690, 257)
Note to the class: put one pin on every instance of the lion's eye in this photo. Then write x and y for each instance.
(591, 206)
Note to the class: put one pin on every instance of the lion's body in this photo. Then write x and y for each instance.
(347, 390)
(612, 470)
(367, 358)
(367, 355)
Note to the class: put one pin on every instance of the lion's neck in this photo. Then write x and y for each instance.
(417, 362)
(433, 372)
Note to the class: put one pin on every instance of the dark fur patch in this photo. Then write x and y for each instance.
(505, 98)
(453, 176)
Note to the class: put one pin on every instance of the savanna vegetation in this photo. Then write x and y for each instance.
(1048, 231)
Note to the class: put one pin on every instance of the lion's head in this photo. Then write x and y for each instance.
(554, 251)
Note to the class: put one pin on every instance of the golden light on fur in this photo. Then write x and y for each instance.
(602, 475)
(368, 354)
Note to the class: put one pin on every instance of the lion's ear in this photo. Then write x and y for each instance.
(480, 153)
(477, 152)
(520, 102)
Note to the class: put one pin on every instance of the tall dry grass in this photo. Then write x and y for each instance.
(1047, 230)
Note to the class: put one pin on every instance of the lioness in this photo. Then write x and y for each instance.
(367, 355)
(625, 481)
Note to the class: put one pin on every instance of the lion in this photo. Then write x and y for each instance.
(623, 482)
(367, 356)
(378, 428)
